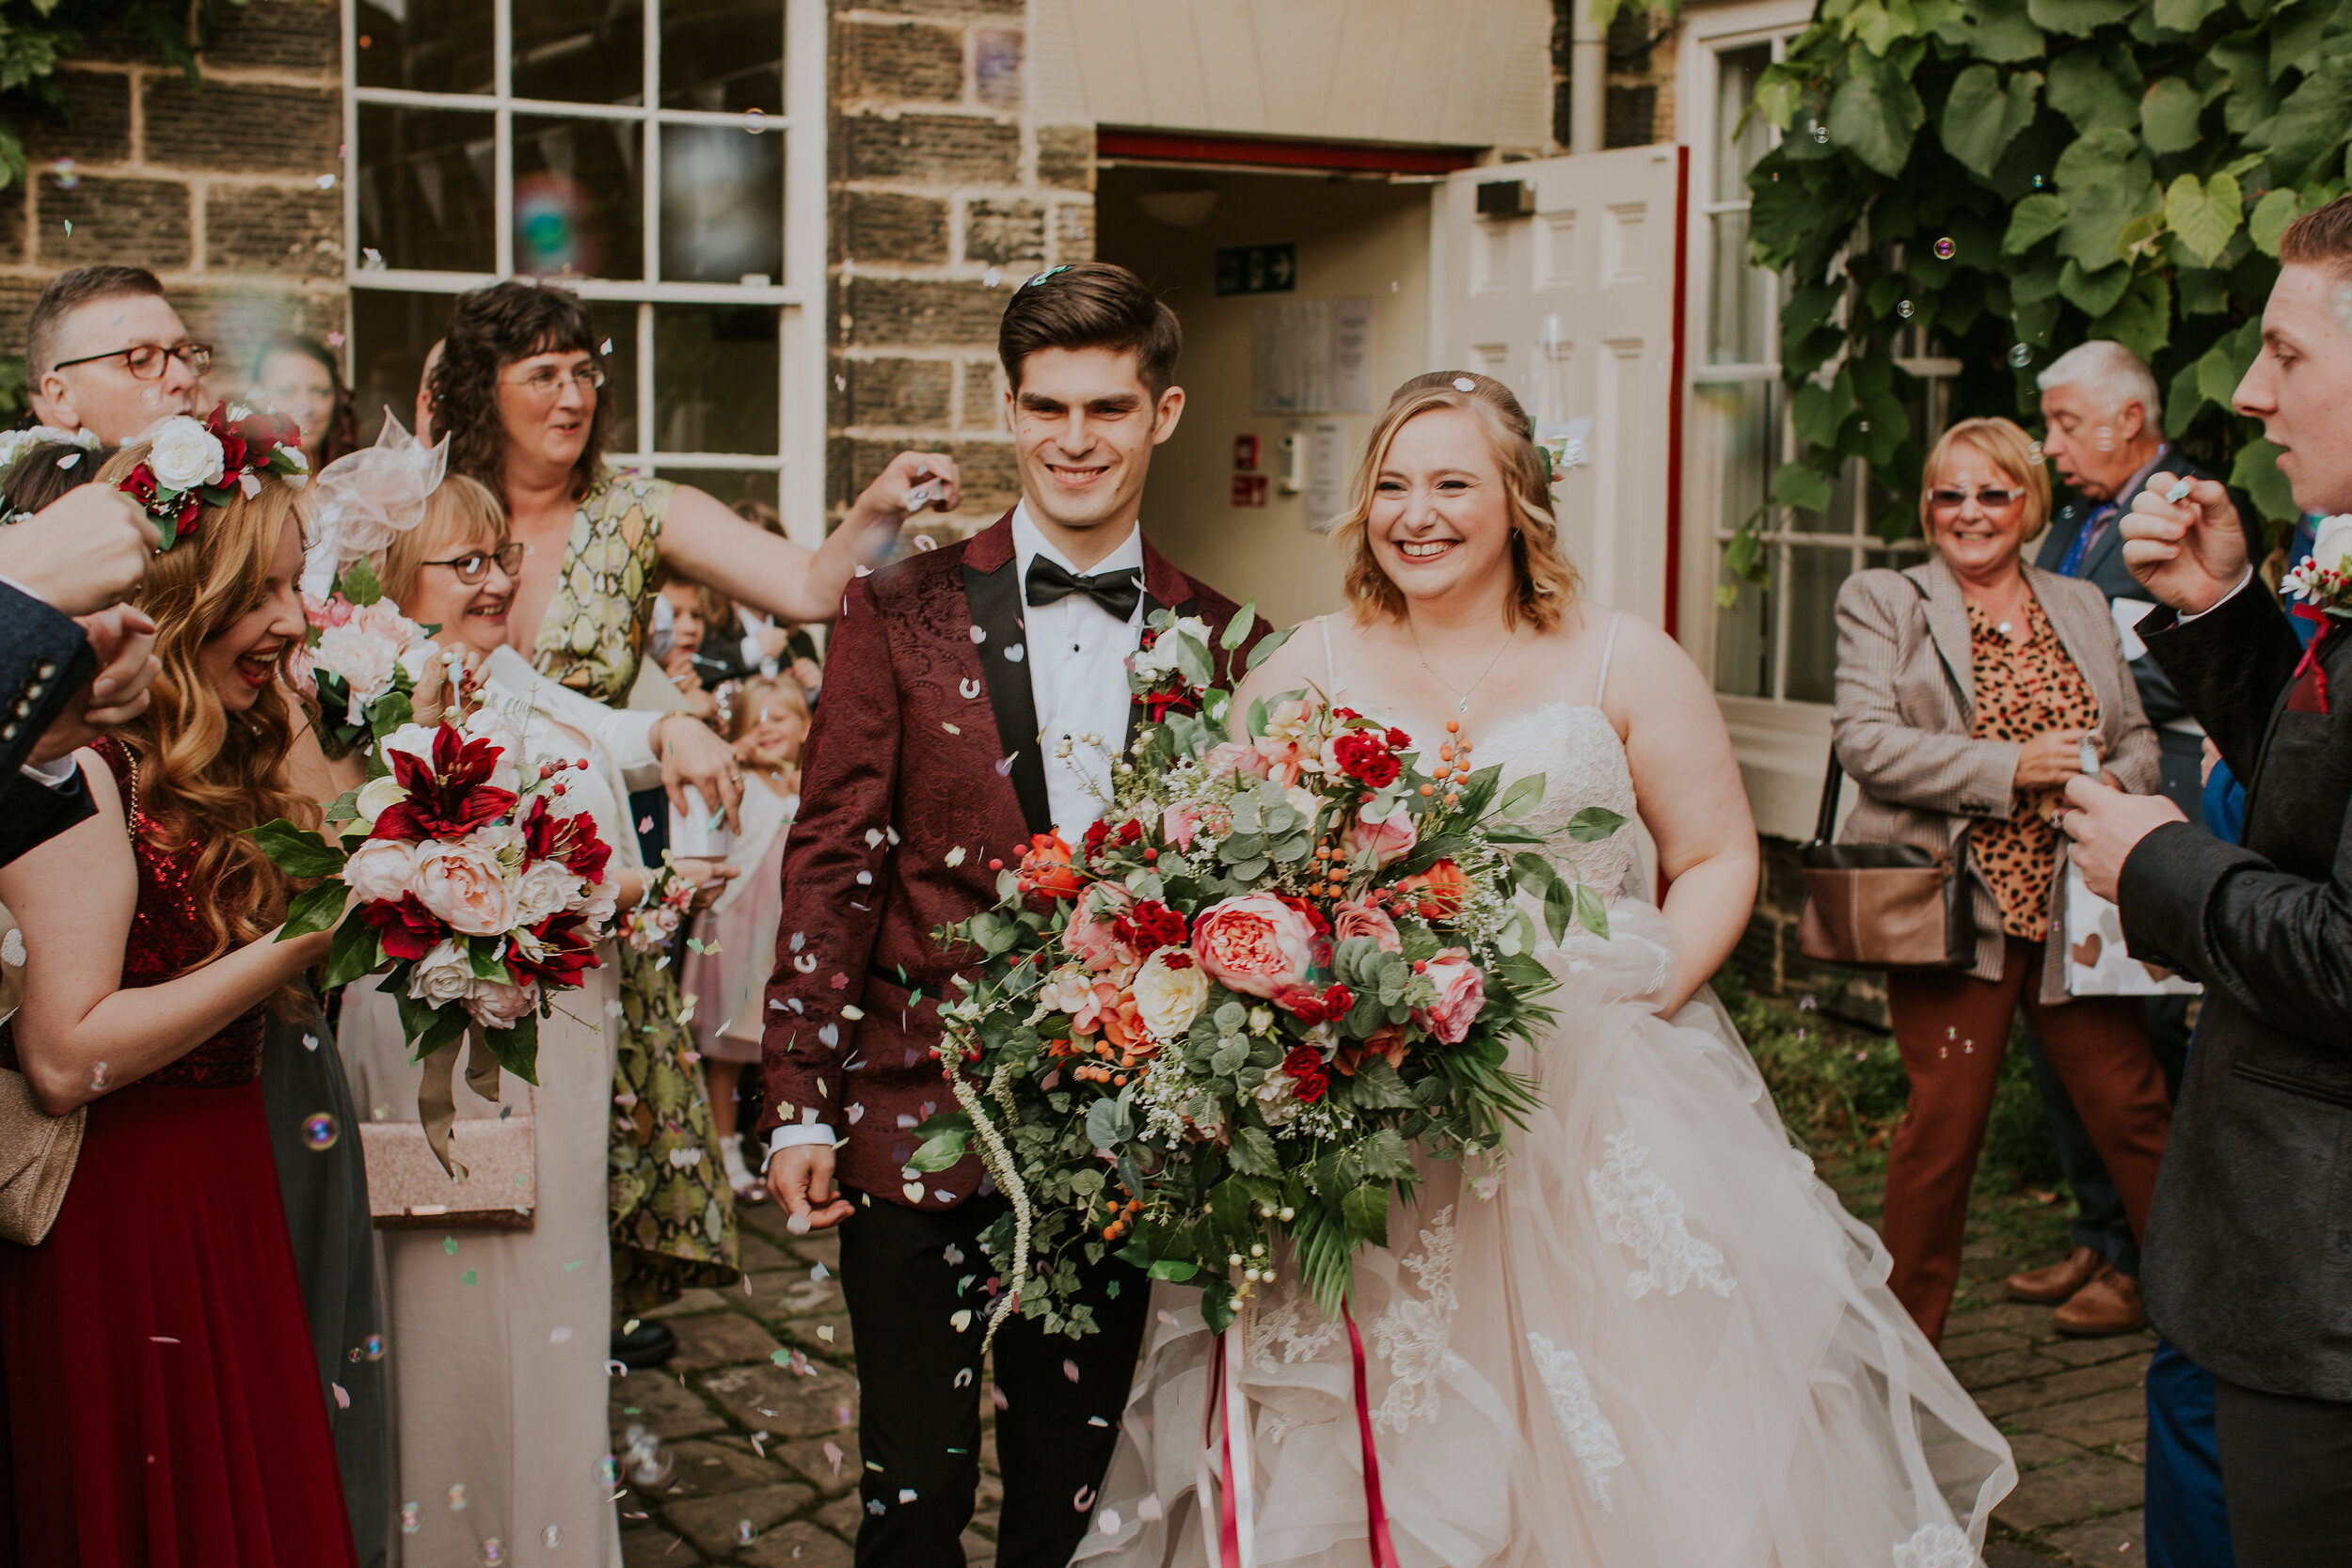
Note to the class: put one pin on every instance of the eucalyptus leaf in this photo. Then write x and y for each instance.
(944, 1150)
(1263, 650)
(1591, 912)
(1237, 629)
(1524, 795)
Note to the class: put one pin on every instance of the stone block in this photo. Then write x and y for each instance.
(1967, 1347)
(1992, 1371)
(807, 1457)
(2086, 1353)
(2012, 1554)
(16, 295)
(2033, 1449)
(714, 1526)
(2062, 1388)
(991, 480)
(791, 1293)
(841, 1516)
(700, 1299)
(1065, 157)
(648, 1545)
(2118, 1416)
(2016, 1316)
(719, 1339)
(772, 1398)
(145, 223)
(932, 150)
(2061, 1494)
(2122, 1538)
(797, 1545)
(1003, 234)
(1073, 231)
(15, 217)
(826, 1336)
(983, 396)
(94, 127)
(657, 1400)
(897, 62)
(706, 1469)
(241, 127)
(913, 312)
(997, 66)
(887, 226)
(286, 35)
(899, 393)
(296, 232)
(759, 1252)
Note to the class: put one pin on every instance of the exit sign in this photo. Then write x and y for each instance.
(1257, 269)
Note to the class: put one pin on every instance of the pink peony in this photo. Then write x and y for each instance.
(327, 612)
(1089, 937)
(1286, 761)
(1255, 944)
(495, 1004)
(1461, 995)
(462, 884)
(1178, 824)
(1234, 756)
(382, 868)
(364, 662)
(383, 619)
(1390, 841)
(1356, 918)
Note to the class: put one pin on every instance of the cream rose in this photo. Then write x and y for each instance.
(544, 890)
(443, 975)
(2332, 545)
(495, 1004)
(1278, 1099)
(381, 868)
(1170, 991)
(366, 662)
(597, 905)
(183, 454)
(415, 739)
(463, 884)
(377, 794)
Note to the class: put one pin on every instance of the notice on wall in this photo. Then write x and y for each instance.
(1325, 490)
(1311, 357)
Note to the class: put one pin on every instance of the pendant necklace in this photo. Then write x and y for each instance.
(1462, 696)
(1454, 753)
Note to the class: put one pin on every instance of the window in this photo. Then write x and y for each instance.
(645, 152)
(1779, 642)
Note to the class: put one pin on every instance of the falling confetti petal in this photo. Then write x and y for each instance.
(1108, 1519)
(342, 1396)
(1083, 1501)
(997, 1397)
(960, 1320)
(833, 1456)
(1149, 1508)
(2178, 493)
(1069, 1371)
(824, 1332)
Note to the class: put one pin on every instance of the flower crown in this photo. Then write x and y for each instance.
(190, 466)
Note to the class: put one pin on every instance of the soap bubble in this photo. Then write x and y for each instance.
(411, 1520)
(1944, 249)
(1902, 309)
(1821, 134)
(647, 1465)
(2019, 355)
(552, 1536)
(457, 1497)
(745, 1532)
(493, 1552)
(67, 173)
(319, 1131)
(607, 1471)
(754, 121)
(373, 1346)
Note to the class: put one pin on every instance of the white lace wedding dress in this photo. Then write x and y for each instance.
(1659, 1343)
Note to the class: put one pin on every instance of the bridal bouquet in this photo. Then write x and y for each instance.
(470, 881)
(1285, 955)
(360, 661)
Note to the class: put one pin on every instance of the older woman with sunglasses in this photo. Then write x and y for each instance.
(1969, 689)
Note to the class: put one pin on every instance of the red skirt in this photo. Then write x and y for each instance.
(163, 1405)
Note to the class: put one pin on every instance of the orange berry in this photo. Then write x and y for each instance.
(1428, 790)
(1453, 726)
(1452, 799)
(1120, 1081)
(1445, 754)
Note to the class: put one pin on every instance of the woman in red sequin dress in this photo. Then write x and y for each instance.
(162, 1404)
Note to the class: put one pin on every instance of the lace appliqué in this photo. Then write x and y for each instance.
(1288, 1323)
(1415, 1335)
(1639, 1211)
(1935, 1546)
(1590, 1436)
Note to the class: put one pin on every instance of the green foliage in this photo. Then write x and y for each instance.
(37, 35)
(2028, 174)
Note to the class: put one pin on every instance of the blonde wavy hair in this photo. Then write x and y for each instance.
(460, 512)
(204, 775)
(2001, 443)
(1547, 580)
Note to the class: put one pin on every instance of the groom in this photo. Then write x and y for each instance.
(973, 696)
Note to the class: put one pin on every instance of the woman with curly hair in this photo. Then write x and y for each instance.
(160, 1387)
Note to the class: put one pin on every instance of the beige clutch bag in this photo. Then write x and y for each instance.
(37, 1155)
(407, 1189)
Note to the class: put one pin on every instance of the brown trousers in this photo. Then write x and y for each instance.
(1952, 1029)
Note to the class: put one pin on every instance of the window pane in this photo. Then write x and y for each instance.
(579, 206)
(729, 486)
(424, 45)
(723, 56)
(425, 188)
(1815, 575)
(1739, 310)
(721, 204)
(390, 333)
(1740, 138)
(714, 378)
(1735, 433)
(1743, 638)
(616, 325)
(580, 53)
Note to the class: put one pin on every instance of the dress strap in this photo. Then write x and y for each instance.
(1608, 646)
(1330, 668)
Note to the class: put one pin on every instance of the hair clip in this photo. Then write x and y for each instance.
(1464, 384)
(1042, 276)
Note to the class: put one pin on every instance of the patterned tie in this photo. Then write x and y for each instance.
(2090, 531)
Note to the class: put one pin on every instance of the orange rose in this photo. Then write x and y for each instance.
(1387, 1042)
(1045, 868)
(1438, 893)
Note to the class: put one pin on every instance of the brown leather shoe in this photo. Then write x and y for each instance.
(2059, 1282)
(2109, 1305)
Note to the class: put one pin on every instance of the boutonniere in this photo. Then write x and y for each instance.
(1171, 665)
(2321, 580)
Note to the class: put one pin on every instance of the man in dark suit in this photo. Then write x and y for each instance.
(975, 696)
(2250, 1241)
(2105, 435)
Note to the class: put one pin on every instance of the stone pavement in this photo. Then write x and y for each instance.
(757, 1462)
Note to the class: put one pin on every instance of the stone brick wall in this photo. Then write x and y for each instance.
(229, 189)
(1639, 103)
(943, 196)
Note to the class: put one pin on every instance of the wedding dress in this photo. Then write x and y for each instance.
(1649, 1339)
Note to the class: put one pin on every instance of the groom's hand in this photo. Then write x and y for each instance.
(800, 1178)
(2190, 553)
(2107, 825)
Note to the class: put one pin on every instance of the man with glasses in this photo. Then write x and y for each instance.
(106, 353)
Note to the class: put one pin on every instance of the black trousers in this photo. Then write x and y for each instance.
(906, 1274)
(2286, 1473)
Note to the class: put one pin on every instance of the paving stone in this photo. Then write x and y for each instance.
(696, 1300)
(978, 1548)
(2015, 1315)
(719, 1339)
(809, 1333)
(1994, 1371)
(2013, 1554)
(648, 1545)
(820, 1246)
(2086, 1353)
(707, 1467)
(2120, 1539)
(2117, 1416)
(759, 1252)
(841, 1516)
(1967, 1347)
(715, 1525)
(792, 1293)
(2060, 1387)
(807, 1458)
(2060, 1493)
(797, 1545)
(658, 1402)
(2136, 1452)
(2033, 1449)
(784, 1403)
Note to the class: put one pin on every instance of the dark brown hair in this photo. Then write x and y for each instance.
(68, 293)
(1090, 305)
(35, 481)
(491, 329)
(343, 426)
(2321, 237)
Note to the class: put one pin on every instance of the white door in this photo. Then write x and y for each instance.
(1577, 308)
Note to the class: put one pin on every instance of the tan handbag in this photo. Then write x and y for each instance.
(407, 1189)
(1882, 906)
(37, 1155)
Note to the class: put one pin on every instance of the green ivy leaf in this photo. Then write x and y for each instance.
(2080, 18)
(2168, 116)
(2096, 218)
(2203, 215)
(2087, 94)
(1798, 485)
(2256, 473)
(1875, 118)
(2094, 296)
(2309, 127)
(2035, 219)
(1819, 410)
(1983, 116)
(2186, 16)
(2272, 213)
(2001, 32)
(2141, 320)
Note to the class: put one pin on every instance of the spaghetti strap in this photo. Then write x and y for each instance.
(1608, 646)
(1330, 669)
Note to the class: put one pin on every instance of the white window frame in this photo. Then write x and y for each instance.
(797, 461)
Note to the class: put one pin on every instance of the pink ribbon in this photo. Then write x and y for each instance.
(1234, 1545)
(1375, 1513)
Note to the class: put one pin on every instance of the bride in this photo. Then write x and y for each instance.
(1650, 1338)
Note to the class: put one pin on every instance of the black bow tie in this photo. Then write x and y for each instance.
(1119, 591)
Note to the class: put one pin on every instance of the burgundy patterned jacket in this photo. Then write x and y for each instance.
(926, 743)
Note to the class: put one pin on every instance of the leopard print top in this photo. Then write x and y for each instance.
(2024, 689)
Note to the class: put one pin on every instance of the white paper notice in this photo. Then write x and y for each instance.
(1310, 356)
(1326, 475)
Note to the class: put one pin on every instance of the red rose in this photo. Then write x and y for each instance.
(1150, 925)
(1305, 1067)
(1398, 741)
(408, 928)
(1098, 833)
(1366, 759)
(564, 951)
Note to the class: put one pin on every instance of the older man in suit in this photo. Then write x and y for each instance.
(2249, 1243)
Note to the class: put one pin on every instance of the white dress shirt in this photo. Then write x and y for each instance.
(1076, 656)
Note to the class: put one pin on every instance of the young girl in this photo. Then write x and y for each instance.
(728, 978)
(689, 624)
(160, 1388)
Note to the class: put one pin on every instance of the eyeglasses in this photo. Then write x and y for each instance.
(1991, 500)
(547, 381)
(146, 360)
(474, 568)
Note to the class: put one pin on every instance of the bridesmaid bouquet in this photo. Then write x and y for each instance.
(1285, 955)
(360, 661)
(469, 881)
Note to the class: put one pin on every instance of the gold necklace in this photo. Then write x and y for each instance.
(1462, 697)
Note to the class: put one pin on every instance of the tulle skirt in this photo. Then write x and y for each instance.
(1650, 1338)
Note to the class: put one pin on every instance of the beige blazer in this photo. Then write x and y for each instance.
(1906, 707)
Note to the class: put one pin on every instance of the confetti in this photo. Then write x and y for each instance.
(12, 947)
(1069, 1371)
(342, 1396)
(1016, 653)
(980, 634)
(833, 1456)
(906, 1493)
(1464, 384)
(470, 1277)
(1083, 1501)
(70, 459)
(310, 1043)
(820, 1274)
(449, 1244)
(162, 1339)
(955, 856)
(996, 1396)
(1108, 1519)
(970, 688)
(1150, 1507)
(960, 1322)
(824, 1332)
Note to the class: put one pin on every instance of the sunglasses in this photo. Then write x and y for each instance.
(474, 568)
(1991, 500)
